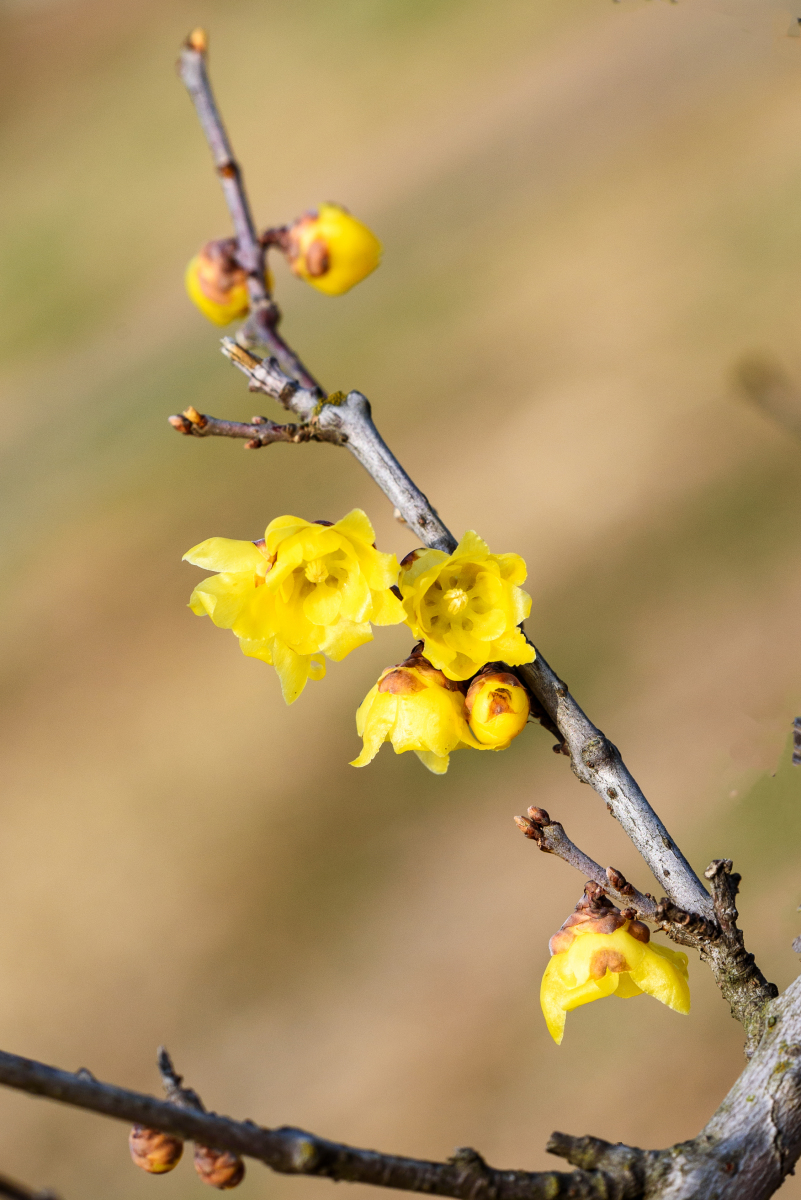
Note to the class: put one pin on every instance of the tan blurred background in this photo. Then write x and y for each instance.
(591, 213)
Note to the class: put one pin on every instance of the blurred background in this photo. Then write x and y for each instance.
(591, 215)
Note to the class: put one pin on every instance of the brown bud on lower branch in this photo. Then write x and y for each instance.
(219, 1168)
(154, 1151)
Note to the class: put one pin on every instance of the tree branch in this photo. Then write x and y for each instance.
(262, 324)
(294, 1152)
(11, 1189)
(744, 1152)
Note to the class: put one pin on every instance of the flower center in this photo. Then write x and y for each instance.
(455, 600)
(316, 571)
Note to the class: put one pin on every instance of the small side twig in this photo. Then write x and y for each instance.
(736, 973)
(258, 432)
(688, 929)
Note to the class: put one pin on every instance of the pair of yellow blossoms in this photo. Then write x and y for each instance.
(308, 590)
(328, 248)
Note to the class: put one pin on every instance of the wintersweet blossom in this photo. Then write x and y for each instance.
(497, 708)
(331, 250)
(467, 606)
(307, 590)
(217, 285)
(600, 951)
(414, 707)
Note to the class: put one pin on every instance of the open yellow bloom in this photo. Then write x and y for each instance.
(467, 606)
(307, 590)
(331, 250)
(600, 952)
(217, 285)
(416, 708)
(497, 707)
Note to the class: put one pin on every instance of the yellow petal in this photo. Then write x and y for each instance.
(228, 555)
(356, 525)
(292, 668)
(663, 979)
(345, 636)
(322, 605)
(387, 609)
(256, 649)
(471, 546)
(223, 597)
(434, 762)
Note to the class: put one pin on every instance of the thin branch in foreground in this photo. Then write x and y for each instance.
(265, 315)
(11, 1189)
(294, 1152)
(744, 1152)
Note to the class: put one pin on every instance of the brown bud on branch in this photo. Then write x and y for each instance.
(153, 1151)
(219, 1168)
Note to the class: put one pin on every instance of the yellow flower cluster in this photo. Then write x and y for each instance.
(308, 590)
(416, 707)
(600, 951)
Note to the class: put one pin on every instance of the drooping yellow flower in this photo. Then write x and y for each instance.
(600, 952)
(331, 250)
(497, 708)
(467, 606)
(217, 285)
(308, 589)
(416, 708)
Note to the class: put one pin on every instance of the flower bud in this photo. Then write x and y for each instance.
(217, 285)
(153, 1150)
(219, 1168)
(331, 250)
(497, 708)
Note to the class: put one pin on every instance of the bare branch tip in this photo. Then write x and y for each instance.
(198, 40)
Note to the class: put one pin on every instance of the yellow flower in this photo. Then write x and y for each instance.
(416, 708)
(217, 286)
(331, 250)
(467, 606)
(600, 952)
(307, 590)
(497, 707)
